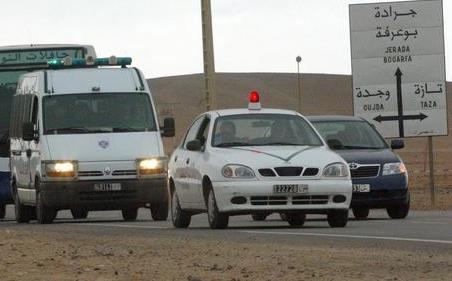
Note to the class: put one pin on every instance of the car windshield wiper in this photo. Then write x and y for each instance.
(288, 143)
(76, 130)
(360, 147)
(229, 144)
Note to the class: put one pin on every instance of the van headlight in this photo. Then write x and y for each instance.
(237, 171)
(151, 166)
(61, 169)
(393, 169)
(336, 170)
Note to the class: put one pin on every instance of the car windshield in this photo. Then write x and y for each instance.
(95, 113)
(263, 130)
(350, 135)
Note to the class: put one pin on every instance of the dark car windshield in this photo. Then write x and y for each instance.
(350, 135)
(263, 130)
(96, 113)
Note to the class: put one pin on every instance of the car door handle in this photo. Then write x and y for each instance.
(188, 161)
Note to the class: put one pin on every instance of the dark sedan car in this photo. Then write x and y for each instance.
(379, 177)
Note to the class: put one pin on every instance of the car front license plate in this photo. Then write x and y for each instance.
(107, 186)
(290, 188)
(361, 188)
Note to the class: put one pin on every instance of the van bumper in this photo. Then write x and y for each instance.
(134, 193)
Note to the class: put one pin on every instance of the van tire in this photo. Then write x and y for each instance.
(23, 213)
(130, 214)
(2, 211)
(217, 220)
(44, 214)
(338, 218)
(79, 213)
(179, 217)
(159, 211)
(296, 219)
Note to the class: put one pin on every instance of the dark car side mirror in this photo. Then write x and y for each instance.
(335, 144)
(28, 132)
(397, 144)
(169, 127)
(194, 145)
(4, 145)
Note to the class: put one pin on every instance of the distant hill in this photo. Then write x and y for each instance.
(183, 98)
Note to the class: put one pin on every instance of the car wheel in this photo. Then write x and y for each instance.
(2, 211)
(283, 216)
(259, 216)
(79, 213)
(216, 219)
(44, 214)
(180, 218)
(295, 219)
(338, 218)
(159, 211)
(130, 214)
(399, 212)
(361, 213)
(23, 213)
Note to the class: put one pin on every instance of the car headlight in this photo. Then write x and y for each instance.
(393, 168)
(237, 171)
(63, 169)
(151, 166)
(336, 170)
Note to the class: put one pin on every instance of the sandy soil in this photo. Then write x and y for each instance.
(420, 199)
(40, 256)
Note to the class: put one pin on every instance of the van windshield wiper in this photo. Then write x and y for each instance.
(229, 144)
(75, 130)
(128, 129)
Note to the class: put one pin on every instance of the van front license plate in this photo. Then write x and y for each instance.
(107, 186)
(290, 188)
(361, 188)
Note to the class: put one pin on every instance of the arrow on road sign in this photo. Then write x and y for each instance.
(400, 117)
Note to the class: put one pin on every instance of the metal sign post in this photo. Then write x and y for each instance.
(431, 158)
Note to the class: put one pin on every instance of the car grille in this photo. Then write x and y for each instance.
(288, 172)
(313, 199)
(267, 173)
(283, 200)
(379, 194)
(309, 172)
(268, 200)
(365, 171)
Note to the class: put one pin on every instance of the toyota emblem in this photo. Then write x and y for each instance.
(353, 166)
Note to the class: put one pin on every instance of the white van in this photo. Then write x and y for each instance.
(85, 137)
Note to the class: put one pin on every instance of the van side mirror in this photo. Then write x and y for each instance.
(169, 127)
(397, 144)
(335, 144)
(194, 145)
(28, 132)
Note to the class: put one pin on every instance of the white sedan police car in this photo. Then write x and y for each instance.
(254, 161)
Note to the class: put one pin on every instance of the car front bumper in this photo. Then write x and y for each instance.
(134, 193)
(259, 196)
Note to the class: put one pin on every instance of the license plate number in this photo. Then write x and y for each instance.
(361, 188)
(107, 186)
(290, 188)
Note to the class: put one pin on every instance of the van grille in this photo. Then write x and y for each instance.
(90, 174)
(125, 173)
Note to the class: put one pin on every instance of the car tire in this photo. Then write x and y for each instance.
(399, 212)
(360, 213)
(283, 216)
(159, 211)
(259, 216)
(79, 213)
(23, 213)
(217, 220)
(2, 211)
(179, 217)
(295, 219)
(44, 214)
(338, 218)
(130, 214)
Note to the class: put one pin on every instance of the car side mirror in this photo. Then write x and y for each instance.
(334, 144)
(28, 132)
(194, 145)
(169, 127)
(4, 145)
(397, 144)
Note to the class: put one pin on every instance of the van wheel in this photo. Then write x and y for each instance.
(180, 218)
(159, 211)
(130, 214)
(338, 218)
(23, 213)
(44, 214)
(361, 213)
(259, 216)
(295, 219)
(79, 213)
(2, 211)
(216, 219)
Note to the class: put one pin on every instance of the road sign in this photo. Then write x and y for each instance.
(398, 67)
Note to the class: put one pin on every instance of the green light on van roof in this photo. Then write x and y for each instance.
(110, 61)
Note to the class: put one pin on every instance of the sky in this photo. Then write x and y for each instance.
(164, 37)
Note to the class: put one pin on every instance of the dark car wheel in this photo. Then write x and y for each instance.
(259, 216)
(79, 213)
(399, 212)
(338, 218)
(180, 218)
(361, 213)
(295, 219)
(2, 211)
(159, 211)
(130, 214)
(216, 219)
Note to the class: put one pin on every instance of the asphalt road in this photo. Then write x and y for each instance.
(424, 231)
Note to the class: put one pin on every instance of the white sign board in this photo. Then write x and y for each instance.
(398, 67)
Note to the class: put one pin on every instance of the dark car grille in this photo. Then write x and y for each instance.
(289, 171)
(267, 173)
(365, 171)
(309, 172)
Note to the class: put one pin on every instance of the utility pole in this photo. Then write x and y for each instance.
(298, 59)
(208, 55)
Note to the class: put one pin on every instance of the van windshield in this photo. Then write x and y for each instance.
(97, 113)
